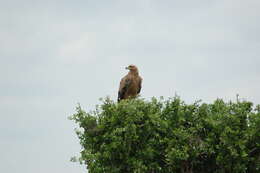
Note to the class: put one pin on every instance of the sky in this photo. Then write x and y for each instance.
(55, 54)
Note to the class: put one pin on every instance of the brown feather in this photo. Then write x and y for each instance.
(130, 85)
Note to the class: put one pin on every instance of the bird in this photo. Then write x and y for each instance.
(130, 85)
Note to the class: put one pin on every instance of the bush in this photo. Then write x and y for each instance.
(158, 136)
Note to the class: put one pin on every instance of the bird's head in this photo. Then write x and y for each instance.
(132, 68)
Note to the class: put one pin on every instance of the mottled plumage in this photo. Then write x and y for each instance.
(131, 84)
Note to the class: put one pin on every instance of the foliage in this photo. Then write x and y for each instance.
(165, 136)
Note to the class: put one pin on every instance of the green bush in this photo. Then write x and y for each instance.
(169, 136)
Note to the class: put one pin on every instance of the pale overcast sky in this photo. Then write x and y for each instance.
(55, 54)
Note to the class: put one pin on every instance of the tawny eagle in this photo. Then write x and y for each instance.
(130, 85)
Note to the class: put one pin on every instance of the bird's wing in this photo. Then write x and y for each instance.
(139, 85)
(124, 85)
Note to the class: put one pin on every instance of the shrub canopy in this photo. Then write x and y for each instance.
(167, 136)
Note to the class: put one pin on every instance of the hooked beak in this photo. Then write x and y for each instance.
(127, 68)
